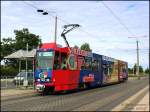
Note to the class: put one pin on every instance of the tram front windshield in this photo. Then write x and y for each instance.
(45, 59)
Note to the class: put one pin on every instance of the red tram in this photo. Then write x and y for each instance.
(60, 68)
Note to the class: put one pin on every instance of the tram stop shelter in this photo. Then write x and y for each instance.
(23, 55)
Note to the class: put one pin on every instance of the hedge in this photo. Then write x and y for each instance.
(8, 71)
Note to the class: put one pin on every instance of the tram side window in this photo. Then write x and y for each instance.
(56, 61)
(105, 69)
(115, 68)
(88, 63)
(95, 65)
(64, 61)
(124, 69)
(108, 69)
(111, 69)
(81, 63)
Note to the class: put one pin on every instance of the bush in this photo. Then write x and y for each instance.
(8, 71)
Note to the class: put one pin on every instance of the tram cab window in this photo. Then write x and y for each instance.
(56, 60)
(63, 61)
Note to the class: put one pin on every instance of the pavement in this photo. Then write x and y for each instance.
(99, 99)
(11, 92)
(130, 104)
(143, 105)
(16, 93)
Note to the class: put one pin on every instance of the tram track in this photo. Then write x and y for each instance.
(97, 98)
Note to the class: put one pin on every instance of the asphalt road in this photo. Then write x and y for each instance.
(97, 99)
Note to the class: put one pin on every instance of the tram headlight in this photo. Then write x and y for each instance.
(38, 80)
(47, 80)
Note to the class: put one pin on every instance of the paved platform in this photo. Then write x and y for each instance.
(130, 104)
(143, 105)
(11, 92)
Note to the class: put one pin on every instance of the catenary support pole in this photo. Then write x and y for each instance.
(55, 38)
(137, 65)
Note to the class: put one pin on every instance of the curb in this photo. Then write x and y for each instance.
(122, 105)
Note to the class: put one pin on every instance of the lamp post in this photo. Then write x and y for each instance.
(46, 13)
(137, 49)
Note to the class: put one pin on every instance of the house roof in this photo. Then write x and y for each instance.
(21, 54)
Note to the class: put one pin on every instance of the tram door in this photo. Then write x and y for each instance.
(97, 69)
(63, 61)
(100, 70)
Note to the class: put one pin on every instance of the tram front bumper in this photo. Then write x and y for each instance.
(40, 87)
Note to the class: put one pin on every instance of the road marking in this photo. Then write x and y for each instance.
(122, 105)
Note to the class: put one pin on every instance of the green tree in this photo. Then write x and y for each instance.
(140, 69)
(147, 70)
(9, 45)
(76, 47)
(23, 37)
(130, 70)
(86, 47)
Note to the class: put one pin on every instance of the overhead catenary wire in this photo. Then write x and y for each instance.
(33, 6)
(87, 33)
(66, 22)
(117, 18)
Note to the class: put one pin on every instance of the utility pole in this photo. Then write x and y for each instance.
(137, 67)
(26, 65)
(137, 49)
(55, 30)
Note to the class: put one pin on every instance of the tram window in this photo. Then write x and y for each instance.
(124, 69)
(56, 61)
(115, 68)
(88, 62)
(111, 69)
(95, 65)
(81, 63)
(64, 61)
(105, 69)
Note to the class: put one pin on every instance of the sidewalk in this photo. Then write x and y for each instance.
(128, 105)
(143, 105)
(7, 94)
(12, 92)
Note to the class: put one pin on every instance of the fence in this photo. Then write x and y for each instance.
(11, 82)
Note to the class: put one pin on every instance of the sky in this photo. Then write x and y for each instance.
(99, 27)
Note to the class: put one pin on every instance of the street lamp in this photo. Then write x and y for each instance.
(46, 13)
(137, 65)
